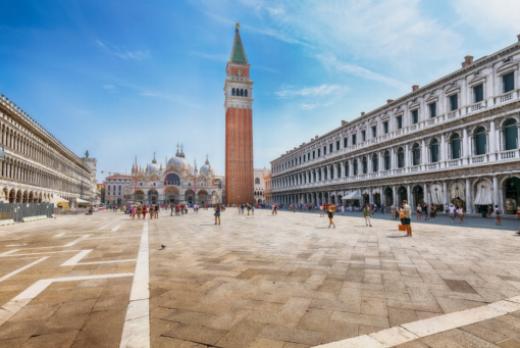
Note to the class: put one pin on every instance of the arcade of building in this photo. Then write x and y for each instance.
(454, 140)
(35, 167)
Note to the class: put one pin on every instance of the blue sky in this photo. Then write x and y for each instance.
(127, 78)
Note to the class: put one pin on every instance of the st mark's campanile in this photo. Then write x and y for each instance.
(239, 126)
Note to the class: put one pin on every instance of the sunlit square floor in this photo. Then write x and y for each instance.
(256, 281)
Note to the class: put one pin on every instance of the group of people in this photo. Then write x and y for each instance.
(141, 210)
(246, 206)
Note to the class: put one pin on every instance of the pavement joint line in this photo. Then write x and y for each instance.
(136, 328)
(12, 307)
(74, 242)
(115, 228)
(40, 253)
(426, 327)
(75, 260)
(23, 268)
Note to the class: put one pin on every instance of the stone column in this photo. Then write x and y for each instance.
(342, 169)
(424, 153)
(492, 141)
(443, 154)
(465, 145)
(396, 196)
(496, 195)
(446, 194)
(409, 197)
(469, 203)
(407, 161)
(426, 194)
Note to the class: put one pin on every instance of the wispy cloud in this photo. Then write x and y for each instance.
(216, 57)
(331, 61)
(314, 91)
(124, 54)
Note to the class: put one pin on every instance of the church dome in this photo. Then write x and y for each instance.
(205, 170)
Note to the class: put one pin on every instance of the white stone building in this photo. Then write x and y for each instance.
(259, 182)
(34, 165)
(454, 140)
(174, 182)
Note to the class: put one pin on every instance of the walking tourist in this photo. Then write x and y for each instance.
(498, 215)
(451, 211)
(367, 212)
(418, 212)
(139, 211)
(217, 214)
(145, 210)
(321, 210)
(331, 209)
(405, 214)
(460, 214)
(274, 209)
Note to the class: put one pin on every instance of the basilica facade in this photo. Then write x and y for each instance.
(452, 141)
(175, 181)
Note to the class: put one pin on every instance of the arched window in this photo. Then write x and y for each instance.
(241, 92)
(434, 151)
(233, 91)
(172, 179)
(257, 181)
(364, 164)
(325, 173)
(510, 134)
(479, 140)
(455, 146)
(375, 163)
(347, 169)
(400, 157)
(355, 167)
(416, 154)
(245, 92)
(387, 160)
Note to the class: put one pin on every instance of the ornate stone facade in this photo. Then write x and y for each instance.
(174, 182)
(238, 91)
(454, 140)
(35, 166)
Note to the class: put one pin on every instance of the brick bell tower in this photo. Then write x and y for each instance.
(239, 126)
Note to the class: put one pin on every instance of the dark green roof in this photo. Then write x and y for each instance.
(238, 55)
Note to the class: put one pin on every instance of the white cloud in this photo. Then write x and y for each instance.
(499, 17)
(135, 55)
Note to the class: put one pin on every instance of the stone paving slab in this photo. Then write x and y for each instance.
(258, 281)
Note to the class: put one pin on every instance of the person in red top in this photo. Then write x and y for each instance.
(145, 209)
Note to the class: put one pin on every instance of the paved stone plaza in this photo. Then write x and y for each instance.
(256, 281)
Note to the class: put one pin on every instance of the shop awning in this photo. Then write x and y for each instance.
(57, 199)
(81, 201)
(352, 195)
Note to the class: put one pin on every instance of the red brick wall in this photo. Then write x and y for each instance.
(239, 156)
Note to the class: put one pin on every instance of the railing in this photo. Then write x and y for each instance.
(478, 159)
(505, 97)
(454, 162)
(509, 154)
(477, 106)
(433, 165)
(453, 114)
(415, 168)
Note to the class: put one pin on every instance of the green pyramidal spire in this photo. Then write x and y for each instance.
(238, 55)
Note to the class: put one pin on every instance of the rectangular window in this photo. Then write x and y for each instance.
(385, 127)
(324, 150)
(374, 131)
(433, 109)
(319, 152)
(331, 148)
(478, 93)
(415, 116)
(313, 154)
(508, 82)
(454, 102)
(353, 139)
(399, 122)
(337, 145)
(345, 142)
(363, 135)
